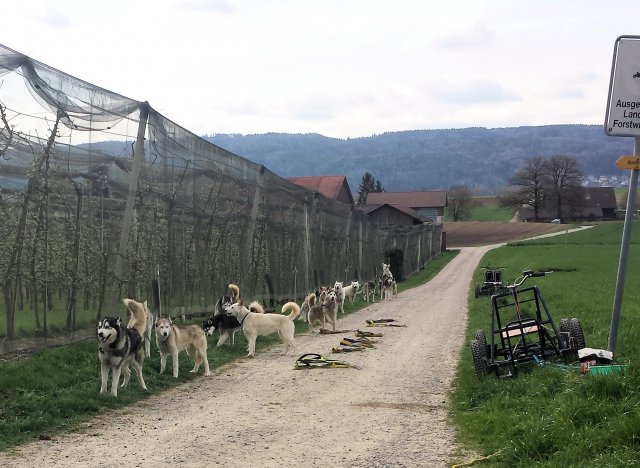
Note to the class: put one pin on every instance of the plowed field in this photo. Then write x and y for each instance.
(494, 232)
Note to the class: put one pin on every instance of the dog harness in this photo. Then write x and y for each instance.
(383, 323)
(311, 360)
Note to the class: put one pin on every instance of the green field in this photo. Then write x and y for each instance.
(490, 213)
(485, 208)
(550, 416)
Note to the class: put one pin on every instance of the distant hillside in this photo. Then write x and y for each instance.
(430, 159)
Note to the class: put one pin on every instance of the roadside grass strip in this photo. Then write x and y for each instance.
(551, 415)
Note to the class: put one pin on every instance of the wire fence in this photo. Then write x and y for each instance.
(104, 198)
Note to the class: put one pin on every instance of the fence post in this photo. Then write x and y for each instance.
(250, 281)
(360, 247)
(307, 247)
(138, 158)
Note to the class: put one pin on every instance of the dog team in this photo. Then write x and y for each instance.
(120, 346)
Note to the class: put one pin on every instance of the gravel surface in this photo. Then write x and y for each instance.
(260, 412)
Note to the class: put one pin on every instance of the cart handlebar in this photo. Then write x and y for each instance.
(528, 274)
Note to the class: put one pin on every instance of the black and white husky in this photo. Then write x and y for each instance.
(118, 346)
(226, 325)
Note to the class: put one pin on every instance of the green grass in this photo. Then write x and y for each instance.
(54, 390)
(24, 325)
(490, 213)
(547, 416)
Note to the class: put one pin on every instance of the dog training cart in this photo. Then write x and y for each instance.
(523, 331)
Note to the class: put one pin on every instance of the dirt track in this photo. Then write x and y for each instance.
(261, 412)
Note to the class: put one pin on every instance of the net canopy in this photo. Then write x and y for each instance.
(106, 198)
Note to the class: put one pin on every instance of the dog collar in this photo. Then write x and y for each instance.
(243, 318)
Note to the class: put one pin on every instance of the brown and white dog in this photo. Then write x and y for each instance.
(325, 310)
(306, 305)
(171, 339)
(256, 324)
(140, 319)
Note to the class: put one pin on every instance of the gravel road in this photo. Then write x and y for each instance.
(260, 412)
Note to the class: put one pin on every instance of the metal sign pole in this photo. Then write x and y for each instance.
(621, 119)
(624, 252)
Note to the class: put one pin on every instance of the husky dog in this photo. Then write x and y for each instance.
(171, 339)
(369, 291)
(325, 310)
(118, 347)
(351, 291)
(140, 318)
(256, 324)
(388, 285)
(226, 325)
(388, 288)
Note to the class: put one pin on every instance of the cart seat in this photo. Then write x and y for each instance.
(518, 328)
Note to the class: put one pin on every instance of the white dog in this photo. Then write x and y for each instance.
(171, 339)
(351, 291)
(255, 324)
(340, 295)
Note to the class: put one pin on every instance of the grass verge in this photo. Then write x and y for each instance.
(53, 391)
(547, 416)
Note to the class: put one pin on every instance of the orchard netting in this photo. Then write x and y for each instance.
(103, 197)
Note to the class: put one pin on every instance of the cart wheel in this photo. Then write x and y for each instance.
(575, 331)
(479, 361)
(565, 332)
(481, 338)
(477, 290)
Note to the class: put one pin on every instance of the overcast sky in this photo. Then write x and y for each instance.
(341, 68)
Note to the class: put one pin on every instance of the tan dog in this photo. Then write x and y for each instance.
(327, 310)
(306, 305)
(171, 339)
(141, 319)
(255, 324)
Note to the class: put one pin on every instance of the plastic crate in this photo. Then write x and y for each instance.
(607, 370)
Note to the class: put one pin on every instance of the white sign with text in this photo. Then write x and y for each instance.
(623, 107)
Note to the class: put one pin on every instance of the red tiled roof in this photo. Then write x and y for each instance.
(329, 186)
(433, 199)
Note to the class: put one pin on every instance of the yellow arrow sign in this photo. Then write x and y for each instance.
(628, 162)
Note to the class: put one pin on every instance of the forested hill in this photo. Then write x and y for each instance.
(430, 159)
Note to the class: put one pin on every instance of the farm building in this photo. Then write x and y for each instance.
(597, 204)
(386, 214)
(429, 205)
(332, 187)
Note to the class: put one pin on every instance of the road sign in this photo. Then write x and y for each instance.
(628, 162)
(623, 106)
